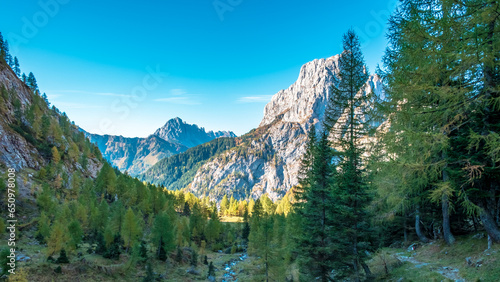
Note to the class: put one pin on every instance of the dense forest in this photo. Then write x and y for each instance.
(420, 164)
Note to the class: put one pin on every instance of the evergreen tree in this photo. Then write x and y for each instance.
(16, 68)
(197, 223)
(149, 273)
(2, 48)
(246, 226)
(316, 206)
(43, 227)
(63, 258)
(143, 252)
(114, 250)
(348, 118)
(213, 227)
(31, 82)
(75, 232)
(186, 211)
(163, 235)
(194, 258)
(211, 270)
(178, 256)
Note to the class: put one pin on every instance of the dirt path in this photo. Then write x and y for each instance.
(446, 271)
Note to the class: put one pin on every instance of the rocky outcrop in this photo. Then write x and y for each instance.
(189, 135)
(268, 158)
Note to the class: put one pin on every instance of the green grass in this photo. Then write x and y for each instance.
(231, 219)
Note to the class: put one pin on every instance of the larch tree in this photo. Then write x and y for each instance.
(130, 229)
(441, 70)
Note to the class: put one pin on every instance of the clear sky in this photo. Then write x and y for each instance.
(126, 67)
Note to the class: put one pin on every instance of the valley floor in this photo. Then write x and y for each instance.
(467, 260)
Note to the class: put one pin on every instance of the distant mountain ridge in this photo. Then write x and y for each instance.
(136, 155)
(190, 135)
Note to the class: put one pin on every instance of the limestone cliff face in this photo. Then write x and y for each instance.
(267, 160)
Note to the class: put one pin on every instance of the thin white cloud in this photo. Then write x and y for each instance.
(92, 93)
(54, 96)
(180, 97)
(255, 99)
(178, 92)
(69, 105)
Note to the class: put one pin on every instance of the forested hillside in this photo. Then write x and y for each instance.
(175, 172)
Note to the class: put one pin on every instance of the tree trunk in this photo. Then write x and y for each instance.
(445, 204)
(404, 230)
(489, 224)
(356, 271)
(420, 234)
(448, 236)
(369, 275)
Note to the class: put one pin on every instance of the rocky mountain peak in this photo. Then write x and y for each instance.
(304, 101)
(178, 131)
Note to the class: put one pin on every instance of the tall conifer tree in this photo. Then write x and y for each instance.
(347, 119)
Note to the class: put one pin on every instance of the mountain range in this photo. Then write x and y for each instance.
(267, 159)
(136, 155)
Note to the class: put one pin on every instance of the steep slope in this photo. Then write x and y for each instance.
(134, 155)
(15, 151)
(267, 159)
(38, 141)
(178, 131)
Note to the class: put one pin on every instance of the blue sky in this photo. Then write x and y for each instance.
(126, 67)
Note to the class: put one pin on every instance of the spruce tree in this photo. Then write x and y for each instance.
(16, 68)
(31, 81)
(163, 235)
(211, 270)
(316, 206)
(348, 118)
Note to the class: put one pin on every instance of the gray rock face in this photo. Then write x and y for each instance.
(15, 151)
(134, 155)
(273, 153)
(189, 135)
